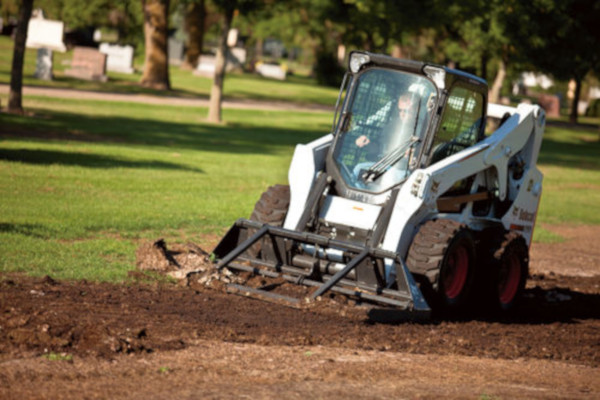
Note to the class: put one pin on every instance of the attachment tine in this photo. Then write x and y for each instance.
(340, 274)
(242, 247)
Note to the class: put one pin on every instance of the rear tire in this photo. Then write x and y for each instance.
(270, 209)
(442, 257)
(510, 269)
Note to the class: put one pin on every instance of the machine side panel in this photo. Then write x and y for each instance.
(522, 214)
(417, 199)
(308, 161)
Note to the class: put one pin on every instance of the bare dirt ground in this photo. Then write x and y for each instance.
(160, 340)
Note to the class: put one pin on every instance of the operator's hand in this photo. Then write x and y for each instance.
(362, 141)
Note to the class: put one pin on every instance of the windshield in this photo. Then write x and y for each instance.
(381, 131)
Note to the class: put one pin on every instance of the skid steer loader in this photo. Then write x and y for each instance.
(407, 203)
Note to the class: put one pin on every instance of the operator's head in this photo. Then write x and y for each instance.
(405, 106)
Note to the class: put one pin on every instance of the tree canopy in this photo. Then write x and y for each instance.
(486, 37)
(565, 45)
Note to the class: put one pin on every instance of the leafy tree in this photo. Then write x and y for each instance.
(374, 25)
(476, 36)
(194, 25)
(15, 104)
(8, 8)
(123, 15)
(156, 63)
(557, 37)
(297, 23)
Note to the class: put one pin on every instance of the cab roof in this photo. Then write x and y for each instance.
(385, 61)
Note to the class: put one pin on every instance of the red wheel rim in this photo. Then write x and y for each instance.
(456, 271)
(510, 276)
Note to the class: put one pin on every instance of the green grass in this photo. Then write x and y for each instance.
(296, 89)
(78, 208)
(570, 161)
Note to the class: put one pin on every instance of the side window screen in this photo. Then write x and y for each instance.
(460, 125)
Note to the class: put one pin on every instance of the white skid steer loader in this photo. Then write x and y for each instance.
(407, 203)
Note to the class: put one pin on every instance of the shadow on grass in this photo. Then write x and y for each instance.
(33, 230)
(582, 155)
(232, 138)
(49, 157)
(115, 85)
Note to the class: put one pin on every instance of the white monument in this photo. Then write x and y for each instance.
(235, 58)
(272, 71)
(44, 63)
(118, 58)
(46, 36)
(45, 33)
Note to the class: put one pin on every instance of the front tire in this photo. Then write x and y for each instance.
(270, 209)
(442, 257)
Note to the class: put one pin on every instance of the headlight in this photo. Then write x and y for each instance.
(357, 60)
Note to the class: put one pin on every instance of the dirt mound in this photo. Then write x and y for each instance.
(178, 261)
(555, 322)
(98, 326)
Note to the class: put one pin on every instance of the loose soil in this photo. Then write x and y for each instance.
(62, 339)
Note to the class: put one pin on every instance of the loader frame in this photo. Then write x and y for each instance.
(281, 243)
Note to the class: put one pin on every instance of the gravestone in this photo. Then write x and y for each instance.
(550, 104)
(45, 33)
(46, 36)
(235, 59)
(271, 71)
(43, 65)
(176, 48)
(89, 64)
(206, 66)
(237, 56)
(118, 58)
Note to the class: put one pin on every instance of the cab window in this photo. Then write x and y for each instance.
(461, 123)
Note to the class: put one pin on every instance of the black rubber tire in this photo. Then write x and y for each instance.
(270, 209)
(442, 259)
(509, 272)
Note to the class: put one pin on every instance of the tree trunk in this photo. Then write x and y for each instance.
(258, 52)
(397, 51)
(216, 92)
(195, 16)
(494, 94)
(574, 114)
(15, 103)
(156, 63)
(483, 64)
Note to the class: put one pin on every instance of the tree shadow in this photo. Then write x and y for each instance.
(583, 155)
(237, 138)
(49, 157)
(116, 85)
(32, 230)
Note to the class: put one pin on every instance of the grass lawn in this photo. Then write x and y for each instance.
(296, 89)
(570, 161)
(75, 206)
(91, 179)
